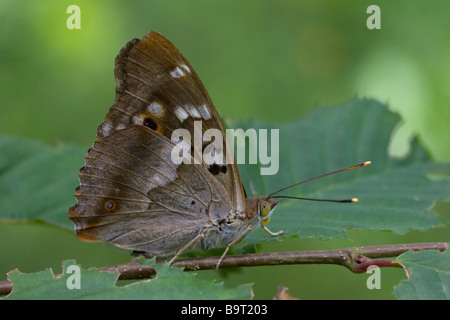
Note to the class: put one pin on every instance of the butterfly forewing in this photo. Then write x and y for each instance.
(158, 88)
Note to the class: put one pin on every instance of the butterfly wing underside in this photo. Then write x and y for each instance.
(131, 192)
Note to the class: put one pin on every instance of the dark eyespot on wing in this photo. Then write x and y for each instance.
(148, 122)
(215, 169)
(110, 205)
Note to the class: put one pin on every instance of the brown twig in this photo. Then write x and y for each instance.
(356, 259)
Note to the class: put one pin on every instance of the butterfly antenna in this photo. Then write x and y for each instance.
(272, 195)
(313, 199)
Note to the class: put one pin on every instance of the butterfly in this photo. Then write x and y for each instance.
(132, 194)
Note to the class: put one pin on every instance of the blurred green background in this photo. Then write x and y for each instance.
(273, 60)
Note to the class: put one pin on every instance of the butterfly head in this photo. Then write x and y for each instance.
(266, 207)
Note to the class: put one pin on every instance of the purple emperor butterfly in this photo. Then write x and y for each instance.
(132, 193)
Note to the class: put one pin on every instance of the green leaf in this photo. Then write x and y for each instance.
(429, 275)
(37, 181)
(170, 283)
(394, 194)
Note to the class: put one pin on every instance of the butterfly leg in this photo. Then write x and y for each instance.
(232, 243)
(186, 247)
(273, 234)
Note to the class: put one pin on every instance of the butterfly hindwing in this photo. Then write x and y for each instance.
(133, 195)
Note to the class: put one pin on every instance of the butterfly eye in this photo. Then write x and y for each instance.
(110, 205)
(264, 209)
